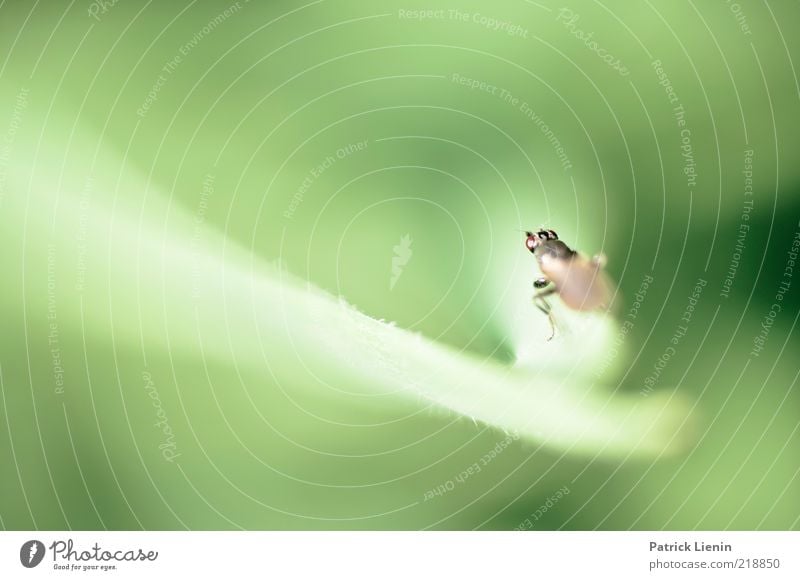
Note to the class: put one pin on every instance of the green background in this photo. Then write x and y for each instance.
(110, 240)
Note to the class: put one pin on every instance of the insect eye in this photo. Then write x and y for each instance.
(543, 235)
(531, 243)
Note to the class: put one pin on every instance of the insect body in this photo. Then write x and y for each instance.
(580, 282)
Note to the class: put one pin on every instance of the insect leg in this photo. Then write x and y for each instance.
(542, 304)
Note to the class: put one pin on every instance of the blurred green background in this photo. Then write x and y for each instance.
(150, 151)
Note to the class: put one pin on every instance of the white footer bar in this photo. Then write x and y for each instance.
(355, 555)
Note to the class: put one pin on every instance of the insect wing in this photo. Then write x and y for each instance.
(582, 284)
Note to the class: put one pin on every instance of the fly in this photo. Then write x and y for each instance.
(581, 283)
